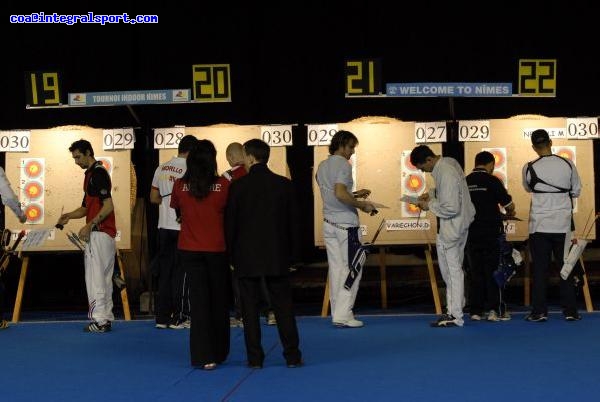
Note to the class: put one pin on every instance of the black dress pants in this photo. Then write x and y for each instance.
(280, 293)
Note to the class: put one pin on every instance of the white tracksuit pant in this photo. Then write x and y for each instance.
(450, 261)
(99, 266)
(342, 300)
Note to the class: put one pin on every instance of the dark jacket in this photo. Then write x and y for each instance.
(262, 224)
(487, 192)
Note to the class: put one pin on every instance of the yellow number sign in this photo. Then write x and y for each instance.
(211, 82)
(42, 88)
(537, 77)
(363, 77)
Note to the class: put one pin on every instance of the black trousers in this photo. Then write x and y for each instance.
(2, 298)
(209, 296)
(483, 255)
(542, 247)
(280, 292)
(172, 299)
(237, 305)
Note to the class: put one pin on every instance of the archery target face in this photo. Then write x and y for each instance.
(409, 166)
(566, 152)
(107, 162)
(500, 164)
(34, 213)
(410, 210)
(499, 156)
(33, 169)
(414, 183)
(32, 189)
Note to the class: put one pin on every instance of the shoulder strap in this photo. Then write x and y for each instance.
(534, 179)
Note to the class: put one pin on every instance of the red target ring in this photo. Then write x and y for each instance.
(414, 183)
(33, 169)
(34, 213)
(33, 190)
(499, 159)
(412, 210)
(107, 164)
(565, 153)
(409, 165)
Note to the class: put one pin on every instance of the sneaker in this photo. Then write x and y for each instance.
(493, 316)
(445, 320)
(177, 324)
(533, 317)
(475, 317)
(271, 319)
(236, 322)
(95, 327)
(161, 326)
(209, 366)
(187, 324)
(3, 324)
(351, 323)
(573, 316)
(505, 316)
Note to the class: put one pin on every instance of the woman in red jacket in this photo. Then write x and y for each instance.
(199, 198)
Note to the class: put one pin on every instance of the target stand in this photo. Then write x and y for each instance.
(23, 276)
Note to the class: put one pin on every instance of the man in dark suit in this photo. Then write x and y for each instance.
(262, 234)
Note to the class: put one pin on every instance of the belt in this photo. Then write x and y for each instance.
(336, 225)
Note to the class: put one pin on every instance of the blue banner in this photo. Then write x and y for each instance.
(449, 89)
(155, 96)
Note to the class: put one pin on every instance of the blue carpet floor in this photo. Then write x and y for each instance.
(393, 358)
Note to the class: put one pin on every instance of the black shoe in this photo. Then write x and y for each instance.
(445, 320)
(297, 364)
(573, 316)
(95, 327)
(255, 366)
(533, 317)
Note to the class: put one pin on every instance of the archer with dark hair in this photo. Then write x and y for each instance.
(201, 170)
(98, 232)
(340, 216)
(451, 203)
(553, 182)
(483, 248)
(172, 300)
(199, 198)
(82, 146)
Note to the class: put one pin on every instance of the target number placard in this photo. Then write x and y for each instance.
(430, 132)
(473, 130)
(277, 136)
(118, 138)
(321, 134)
(165, 138)
(582, 128)
(15, 141)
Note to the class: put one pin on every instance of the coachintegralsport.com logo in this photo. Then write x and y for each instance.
(89, 18)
